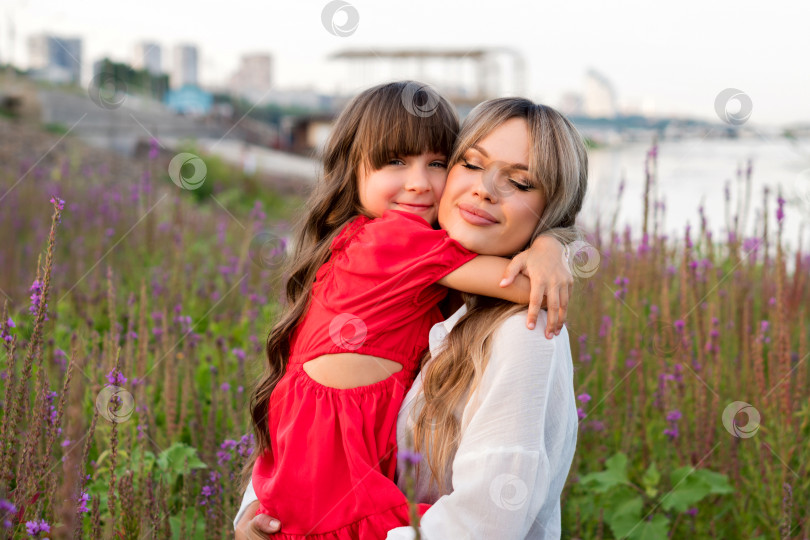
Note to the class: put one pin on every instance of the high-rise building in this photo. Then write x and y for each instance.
(184, 68)
(253, 80)
(147, 56)
(55, 59)
(600, 97)
(571, 104)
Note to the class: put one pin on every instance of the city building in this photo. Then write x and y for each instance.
(600, 97)
(189, 100)
(55, 59)
(147, 55)
(253, 80)
(571, 104)
(185, 67)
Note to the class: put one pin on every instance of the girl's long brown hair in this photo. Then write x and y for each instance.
(559, 165)
(395, 119)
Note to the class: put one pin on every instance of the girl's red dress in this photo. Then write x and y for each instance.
(329, 473)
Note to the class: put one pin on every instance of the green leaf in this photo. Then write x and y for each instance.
(614, 475)
(148, 459)
(582, 503)
(623, 511)
(718, 483)
(656, 529)
(172, 460)
(650, 480)
(689, 488)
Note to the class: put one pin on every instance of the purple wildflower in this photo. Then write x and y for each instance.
(35, 527)
(83, 500)
(60, 357)
(605, 327)
(596, 425)
(622, 282)
(408, 457)
(672, 431)
(210, 492)
(153, 148)
(116, 377)
(5, 333)
(60, 204)
(223, 457)
(763, 326)
(36, 298)
(780, 209)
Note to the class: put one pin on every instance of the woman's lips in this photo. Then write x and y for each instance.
(475, 216)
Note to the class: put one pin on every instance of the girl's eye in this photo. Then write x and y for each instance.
(441, 164)
(395, 161)
(520, 186)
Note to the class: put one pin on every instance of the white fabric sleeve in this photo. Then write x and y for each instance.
(504, 468)
(249, 497)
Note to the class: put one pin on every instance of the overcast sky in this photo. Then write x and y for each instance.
(675, 56)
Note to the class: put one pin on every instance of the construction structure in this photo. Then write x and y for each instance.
(465, 76)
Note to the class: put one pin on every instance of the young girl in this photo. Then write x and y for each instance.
(369, 271)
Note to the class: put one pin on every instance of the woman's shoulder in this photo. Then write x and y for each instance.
(514, 326)
(515, 340)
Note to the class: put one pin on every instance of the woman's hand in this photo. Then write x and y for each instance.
(253, 527)
(546, 266)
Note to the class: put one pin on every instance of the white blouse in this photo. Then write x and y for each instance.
(518, 436)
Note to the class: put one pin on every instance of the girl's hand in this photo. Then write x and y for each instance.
(546, 266)
(253, 527)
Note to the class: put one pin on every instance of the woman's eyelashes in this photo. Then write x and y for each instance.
(520, 186)
(468, 165)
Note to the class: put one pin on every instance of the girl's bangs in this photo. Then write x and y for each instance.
(395, 131)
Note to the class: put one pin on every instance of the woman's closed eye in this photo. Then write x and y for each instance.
(519, 185)
(468, 165)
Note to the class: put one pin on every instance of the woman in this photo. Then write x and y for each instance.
(493, 410)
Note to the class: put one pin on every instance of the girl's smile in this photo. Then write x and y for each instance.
(410, 183)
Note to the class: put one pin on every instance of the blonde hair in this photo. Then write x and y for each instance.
(559, 165)
(381, 122)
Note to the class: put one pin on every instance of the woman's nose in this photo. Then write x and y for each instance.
(486, 185)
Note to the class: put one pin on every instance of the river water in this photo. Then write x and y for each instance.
(692, 172)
